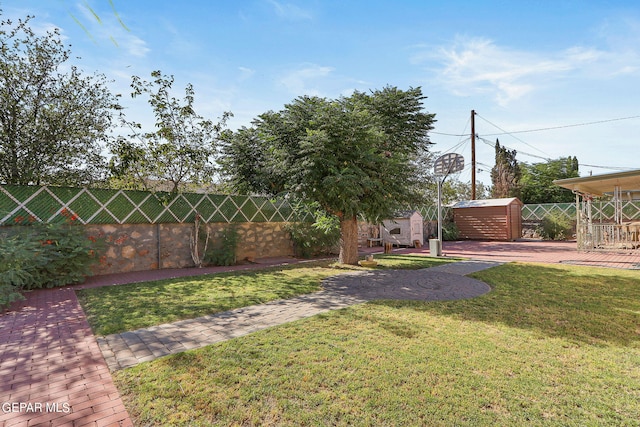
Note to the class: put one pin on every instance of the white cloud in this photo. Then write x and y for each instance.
(245, 73)
(479, 66)
(289, 11)
(305, 80)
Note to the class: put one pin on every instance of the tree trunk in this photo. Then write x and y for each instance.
(348, 241)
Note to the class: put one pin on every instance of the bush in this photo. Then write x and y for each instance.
(450, 231)
(9, 294)
(318, 238)
(35, 255)
(224, 251)
(17, 268)
(556, 226)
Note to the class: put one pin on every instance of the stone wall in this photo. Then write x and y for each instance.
(135, 247)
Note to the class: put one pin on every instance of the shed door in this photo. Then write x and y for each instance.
(416, 230)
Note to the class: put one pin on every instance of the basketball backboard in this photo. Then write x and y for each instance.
(448, 164)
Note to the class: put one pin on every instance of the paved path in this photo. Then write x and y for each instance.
(539, 251)
(49, 359)
(440, 283)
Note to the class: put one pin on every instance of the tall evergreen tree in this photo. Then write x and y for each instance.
(505, 175)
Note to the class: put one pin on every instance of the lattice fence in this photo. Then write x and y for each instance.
(601, 211)
(19, 204)
(430, 213)
(538, 212)
(103, 206)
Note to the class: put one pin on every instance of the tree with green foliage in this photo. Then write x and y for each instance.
(181, 151)
(54, 121)
(355, 156)
(505, 175)
(537, 180)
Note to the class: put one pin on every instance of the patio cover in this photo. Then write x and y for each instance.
(599, 185)
(602, 235)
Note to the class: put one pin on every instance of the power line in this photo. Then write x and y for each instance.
(458, 145)
(566, 126)
(607, 167)
(504, 132)
(492, 144)
(543, 129)
(486, 141)
(510, 133)
(448, 134)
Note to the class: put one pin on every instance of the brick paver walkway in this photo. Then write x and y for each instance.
(52, 371)
(130, 348)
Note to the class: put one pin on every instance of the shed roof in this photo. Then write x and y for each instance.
(486, 203)
(598, 185)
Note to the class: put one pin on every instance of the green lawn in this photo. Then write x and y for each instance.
(550, 345)
(114, 309)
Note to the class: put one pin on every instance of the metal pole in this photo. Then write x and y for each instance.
(579, 229)
(473, 155)
(440, 211)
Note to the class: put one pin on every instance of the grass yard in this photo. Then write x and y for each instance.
(550, 345)
(115, 309)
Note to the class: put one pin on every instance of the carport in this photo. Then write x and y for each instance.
(623, 233)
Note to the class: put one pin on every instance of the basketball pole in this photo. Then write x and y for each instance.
(443, 166)
(440, 209)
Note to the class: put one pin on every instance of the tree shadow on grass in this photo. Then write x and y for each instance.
(120, 308)
(583, 305)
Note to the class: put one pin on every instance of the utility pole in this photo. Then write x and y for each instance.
(473, 154)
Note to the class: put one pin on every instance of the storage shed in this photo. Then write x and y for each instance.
(404, 229)
(491, 219)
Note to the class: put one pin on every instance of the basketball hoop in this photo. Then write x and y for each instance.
(448, 164)
(444, 166)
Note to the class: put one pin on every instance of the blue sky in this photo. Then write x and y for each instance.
(521, 65)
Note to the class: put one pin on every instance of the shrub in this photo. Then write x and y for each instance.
(17, 268)
(315, 238)
(450, 231)
(35, 255)
(555, 226)
(223, 252)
